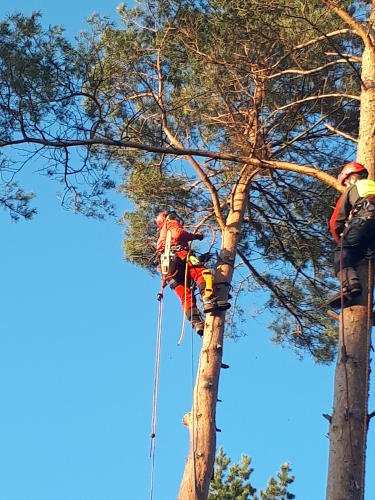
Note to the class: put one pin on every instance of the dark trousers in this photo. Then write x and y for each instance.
(358, 238)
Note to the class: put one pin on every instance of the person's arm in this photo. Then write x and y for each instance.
(342, 212)
(160, 245)
(180, 236)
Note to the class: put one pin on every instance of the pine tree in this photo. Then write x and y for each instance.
(233, 484)
(262, 102)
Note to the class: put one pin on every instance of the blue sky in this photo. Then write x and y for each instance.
(77, 350)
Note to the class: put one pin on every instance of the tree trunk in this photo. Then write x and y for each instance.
(349, 421)
(201, 421)
(348, 429)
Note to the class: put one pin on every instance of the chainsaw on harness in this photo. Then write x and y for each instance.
(168, 259)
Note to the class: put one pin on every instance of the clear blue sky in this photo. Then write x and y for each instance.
(77, 350)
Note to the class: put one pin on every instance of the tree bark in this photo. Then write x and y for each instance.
(366, 139)
(348, 428)
(201, 421)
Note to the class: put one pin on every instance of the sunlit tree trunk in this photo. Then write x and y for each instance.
(201, 421)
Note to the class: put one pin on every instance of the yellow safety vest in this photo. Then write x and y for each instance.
(365, 187)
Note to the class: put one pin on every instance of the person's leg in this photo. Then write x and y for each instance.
(346, 256)
(204, 279)
(190, 306)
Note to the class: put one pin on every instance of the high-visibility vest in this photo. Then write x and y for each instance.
(365, 187)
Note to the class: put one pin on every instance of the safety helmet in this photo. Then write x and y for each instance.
(160, 219)
(349, 169)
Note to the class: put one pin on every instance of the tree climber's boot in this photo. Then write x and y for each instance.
(196, 320)
(213, 304)
(351, 282)
(336, 300)
(351, 287)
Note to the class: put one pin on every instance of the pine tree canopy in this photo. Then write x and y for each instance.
(182, 98)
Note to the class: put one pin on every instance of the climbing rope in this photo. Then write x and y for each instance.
(370, 285)
(160, 298)
(194, 411)
(192, 367)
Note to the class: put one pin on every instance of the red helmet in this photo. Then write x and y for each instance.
(160, 219)
(349, 169)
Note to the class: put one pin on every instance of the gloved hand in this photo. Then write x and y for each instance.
(199, 236)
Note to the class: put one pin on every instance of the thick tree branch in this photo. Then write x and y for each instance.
(179, 151)
(299, 169)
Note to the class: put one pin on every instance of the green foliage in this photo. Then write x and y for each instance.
(289, 224)
(224, 76)
(277, 489)
(241, 77)
(139, 242)
(16, 202)
(42, 77)
(152, 190)
(233, 483)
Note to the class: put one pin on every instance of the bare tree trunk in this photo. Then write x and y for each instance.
(348, 429)
(201, 421)
(349, 424)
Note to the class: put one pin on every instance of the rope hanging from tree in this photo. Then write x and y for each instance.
(156, 384)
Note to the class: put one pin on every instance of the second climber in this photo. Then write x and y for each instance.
(353, 227)
(187, 269)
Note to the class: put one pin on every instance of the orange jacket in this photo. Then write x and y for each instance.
(178, 235)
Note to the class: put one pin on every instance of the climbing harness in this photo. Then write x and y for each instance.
(365, 209)
(160, 298)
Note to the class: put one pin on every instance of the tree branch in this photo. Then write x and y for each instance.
(261, 279)
(299, 169)
(179, 151)
(307, 44)
(352, 23)
(347, 57)
(313, 98)
(339, 132)
(303, 72)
